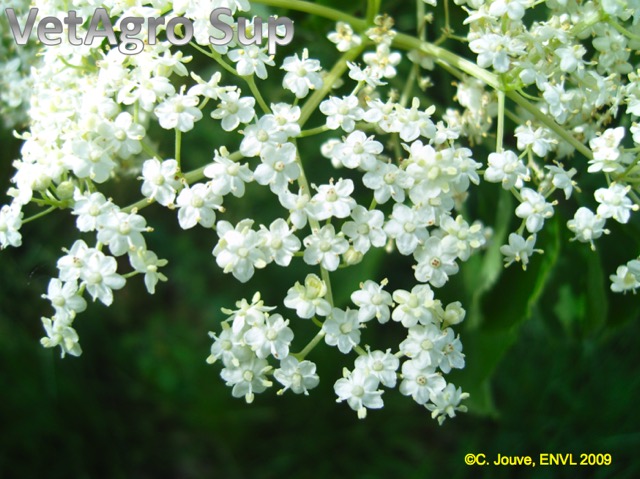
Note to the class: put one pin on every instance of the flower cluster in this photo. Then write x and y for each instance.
(402, 175)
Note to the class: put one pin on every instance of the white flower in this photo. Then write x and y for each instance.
(179, 111)
(383, 61)
(469, 238)
(308, 299)
(248, 378)
(197, 204)
(210, 89)
(420, 381)
(506, 168)
(65, 299)
(452, 352)
(297, 376)
(360, 390)
(342, 112)
(358, 151)
(366, 229)
(227, 176)
(89, 159)
(60, 333)
(264, 133)
(424, 345)
(514, 9)
(70, 266)
(373, 301)
(342, 329)
(436, 260)
(239, 250)
(414, 307)
(539, 141)
(519, 249)
(229, 346)
(248, 314)
(302, 74)
(492, 51)
(273, 337)
(10, 223)
(446, 402)
(606, 155)
(250, 60)
(325, 247)
(587, 226)
(627, 277)
(161, 180)
(533, 209)
(122, 232)
(147, 262)
(98, 275)
(407, 227)
(287, 117)
(387, 181)
(332, 200)
(561, 179)
(614, 202)
(344, 37)
(297, 205)
(279, 242)
(278, 167)
(412, 122)
(234, 110)
(381, 365)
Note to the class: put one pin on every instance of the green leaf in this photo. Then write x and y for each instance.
(503, 308)
(481, 272)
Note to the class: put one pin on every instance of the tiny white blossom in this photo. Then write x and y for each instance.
(10, 223)
(342, 329)
(302, 74)
(360, 390)
(506, 168)
(234, 110)
(533, 209)
(627, 277)
(446, 402)
(381, 365)
(419, 381)
(325, 247)
(197, 204)
(297, 376)
(373, 301)
(344, 37)
(519, 249)
(614, 202)
(587, 226)
(271, 338)
(308, 299)
(161, 180)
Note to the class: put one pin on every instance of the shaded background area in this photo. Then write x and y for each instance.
(551, 358)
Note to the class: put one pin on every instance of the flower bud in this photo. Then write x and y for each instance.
(351, 256)
(64, 191)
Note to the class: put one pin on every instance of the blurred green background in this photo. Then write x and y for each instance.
(551, 353)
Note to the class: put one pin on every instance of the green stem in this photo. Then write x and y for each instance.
(309, 347)
(373, 8)
(318, 10)
(39, 215)
(623, 30)
(336, 72)
(256, 93)
(500, 134)
(178, 151)
(313, 131)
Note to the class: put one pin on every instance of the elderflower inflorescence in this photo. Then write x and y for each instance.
(403, 173)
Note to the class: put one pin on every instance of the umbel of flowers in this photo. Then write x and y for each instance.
(91, 107)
